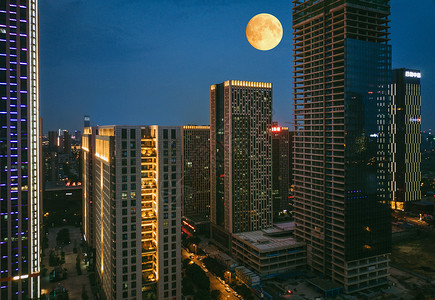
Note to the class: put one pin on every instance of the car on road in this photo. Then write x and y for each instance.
(228, 289)
(192, 256)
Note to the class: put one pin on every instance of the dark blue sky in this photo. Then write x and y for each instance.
(152, 61)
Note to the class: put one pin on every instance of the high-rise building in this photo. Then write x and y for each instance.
(342, 72)
(136, 180)
(241, 158)
(280, 169)
(86, 121)
(66, 142)
(88, 167)
(19, 150)
(406, 137)
(196, 178)
(161, 210)
(53, 141)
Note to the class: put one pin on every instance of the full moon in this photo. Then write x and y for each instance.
(264, 32)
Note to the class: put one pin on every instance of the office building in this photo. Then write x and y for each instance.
(406, 137)
(19, 150)
(196, 179)
(241, 158)
(342, 72)
(136, 180)
(280, 169)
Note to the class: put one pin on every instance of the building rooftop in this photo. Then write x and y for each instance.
(263, 242)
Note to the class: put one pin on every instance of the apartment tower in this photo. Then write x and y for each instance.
(196, 177)
(19, 150)
(406, 137)
(241, 158)
(88, 178)
(137, 209)
(342, 72)
(161, 185)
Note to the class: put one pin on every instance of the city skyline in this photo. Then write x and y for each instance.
(94, 65)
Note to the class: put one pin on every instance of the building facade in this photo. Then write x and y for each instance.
(117, 204)
(161, 210)
(20, 189)
(241, 158)
(342, 72)
(136, 183)
(406, 137)
(280, 169)
(88, 189)
(196, 177)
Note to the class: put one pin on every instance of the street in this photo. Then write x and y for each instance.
(214, 282)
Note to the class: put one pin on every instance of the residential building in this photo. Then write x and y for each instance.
(20, 159)
(88, 189)
(241, 158)
(137, 211)
(196, 178)
(406, 137)
(161, 210)
(342, 73)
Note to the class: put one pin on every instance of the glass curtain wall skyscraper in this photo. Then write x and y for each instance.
(342, 71)
(19, 150)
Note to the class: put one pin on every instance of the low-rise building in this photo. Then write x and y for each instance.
(269, 252)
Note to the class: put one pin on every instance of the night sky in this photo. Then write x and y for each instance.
(137, 62)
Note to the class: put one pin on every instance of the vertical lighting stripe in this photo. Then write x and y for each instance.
(101, 214)
(34, 145)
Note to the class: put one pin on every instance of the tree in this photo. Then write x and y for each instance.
(84, 294)
(188, 288)
(62, 237)
(215, 295)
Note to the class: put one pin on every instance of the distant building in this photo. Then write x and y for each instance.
(241, 158)
(136, 183)
(66, 142)
(280, 169)
(406, 137)
(53, 142)
(86, 121)
(196, 178)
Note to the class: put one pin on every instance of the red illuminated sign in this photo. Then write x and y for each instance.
(276, 129)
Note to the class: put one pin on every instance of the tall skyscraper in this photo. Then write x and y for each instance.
(136, 180)
(19, 150)
(342, 72)
(196, 177)
(406, 137)
(280, 169)
(241, 158)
